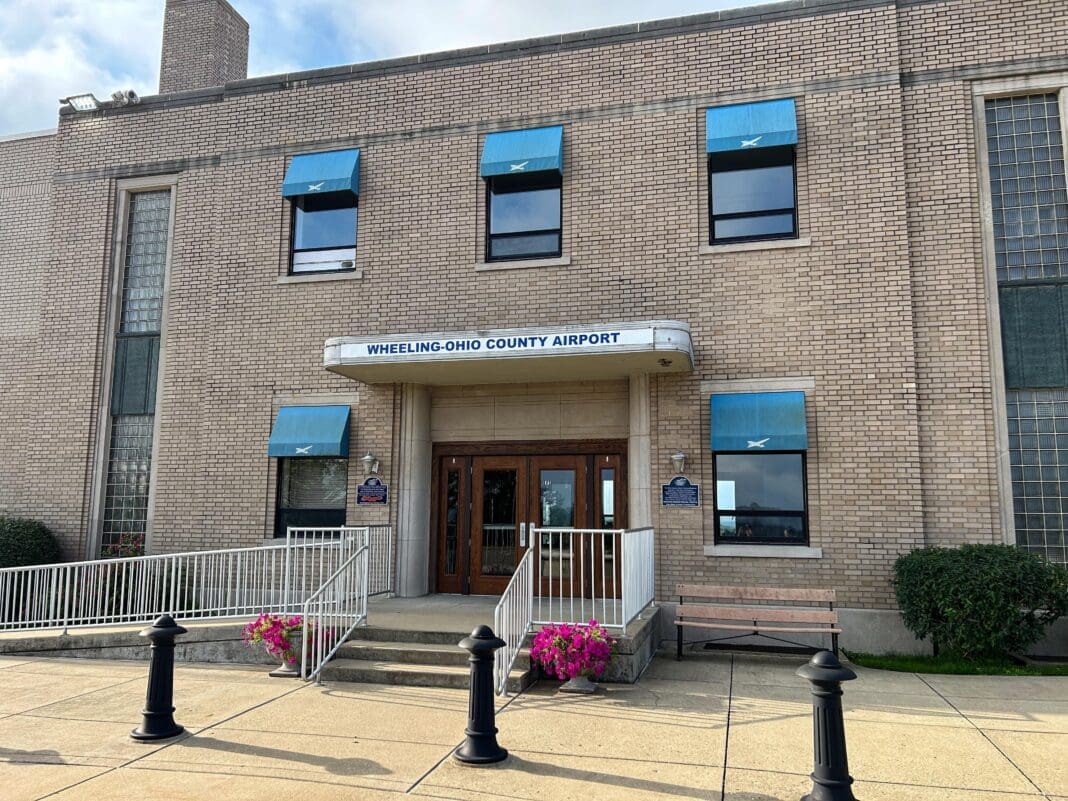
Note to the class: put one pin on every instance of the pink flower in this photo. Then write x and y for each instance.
(566, 650)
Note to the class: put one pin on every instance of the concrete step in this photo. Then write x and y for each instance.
(394, 635)
(415, 653)
(412, 675)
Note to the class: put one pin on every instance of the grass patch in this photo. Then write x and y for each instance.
(955, 665)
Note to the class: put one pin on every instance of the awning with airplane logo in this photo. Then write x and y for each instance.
(520, 152)
(748, 126)
(316, 173)
(310, 431)
(759, 421)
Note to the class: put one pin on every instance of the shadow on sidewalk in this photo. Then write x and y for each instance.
(334, 765)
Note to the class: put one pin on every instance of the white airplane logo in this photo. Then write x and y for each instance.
(304, 451)
(751, 142)
(760, 443)
(519, 167)
(316, 187)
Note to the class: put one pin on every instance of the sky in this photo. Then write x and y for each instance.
(54, 48)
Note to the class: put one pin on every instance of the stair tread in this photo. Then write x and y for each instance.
(406, 646)
(405, 667)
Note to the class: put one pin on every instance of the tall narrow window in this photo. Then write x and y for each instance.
(1029, 205)
(133, 386)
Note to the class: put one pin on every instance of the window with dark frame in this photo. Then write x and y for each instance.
(752, 195)
(523, 214)
(312, 493)
(324, 233)
(761, 498)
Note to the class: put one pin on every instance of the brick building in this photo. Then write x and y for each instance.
(784, 243)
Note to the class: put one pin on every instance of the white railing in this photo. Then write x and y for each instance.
(571, 575)
(512, 620)
(639, 572)
(197, 585)
(333, 611)
(378, 539)
(583, 574)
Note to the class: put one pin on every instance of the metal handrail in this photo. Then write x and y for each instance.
(348, 605)
(513, 619)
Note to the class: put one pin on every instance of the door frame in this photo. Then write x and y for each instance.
(583, 447)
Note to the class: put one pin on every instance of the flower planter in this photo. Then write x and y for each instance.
(579, 684)
(287, 670)
(573, 652)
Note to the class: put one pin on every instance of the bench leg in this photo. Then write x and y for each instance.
(834, 644)
(678, 643)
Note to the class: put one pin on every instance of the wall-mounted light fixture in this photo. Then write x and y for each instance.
(370, 464)
(678, 461)
(86, 102)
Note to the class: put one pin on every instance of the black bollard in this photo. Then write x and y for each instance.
(480, 747)
(158, 721)
(830, 774)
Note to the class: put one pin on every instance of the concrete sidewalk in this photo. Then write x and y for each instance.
(714, 726)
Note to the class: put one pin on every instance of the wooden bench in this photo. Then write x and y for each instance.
(709, 608)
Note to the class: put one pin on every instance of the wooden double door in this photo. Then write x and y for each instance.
(486, 504)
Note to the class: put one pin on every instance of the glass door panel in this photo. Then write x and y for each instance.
(452, 523)
(559, 487)
(499, 522)
(609, 513)
(498, 504)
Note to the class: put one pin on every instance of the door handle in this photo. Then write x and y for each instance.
(522, 535)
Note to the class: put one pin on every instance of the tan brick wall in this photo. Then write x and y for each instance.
(883, 310)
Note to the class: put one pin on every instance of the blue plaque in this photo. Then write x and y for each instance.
(680, 492)
(372, 491)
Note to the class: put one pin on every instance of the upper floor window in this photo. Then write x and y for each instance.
(324, 232)
(523, 216)
(524, 192)
(751, 195)
(751, 171)
(324, 190)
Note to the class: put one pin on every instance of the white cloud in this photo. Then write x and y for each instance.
(53, 48)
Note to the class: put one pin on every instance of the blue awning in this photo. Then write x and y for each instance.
(310, 431)
(747, 126)
(315, 173)
(756, 421)
(532, 150)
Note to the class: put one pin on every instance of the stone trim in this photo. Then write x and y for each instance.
(765, 551)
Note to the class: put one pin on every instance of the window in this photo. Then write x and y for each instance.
(752, 195)
(324, 232)
(760, 498)
(523, 216)
(311, 493)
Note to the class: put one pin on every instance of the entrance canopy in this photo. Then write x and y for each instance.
(515, 355)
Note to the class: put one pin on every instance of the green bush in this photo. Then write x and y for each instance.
(979, 600)
(26, 542)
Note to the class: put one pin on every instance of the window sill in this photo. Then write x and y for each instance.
(741, 247)
(311, 278)
(521, 264)
(765, 551)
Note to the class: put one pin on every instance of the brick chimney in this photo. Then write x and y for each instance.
(205, 43)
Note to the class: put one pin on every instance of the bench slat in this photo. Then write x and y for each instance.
(758, 627)
(754, 593)
(794, 615)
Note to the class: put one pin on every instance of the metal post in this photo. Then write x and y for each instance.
(480, 747)
(830, 774)
(158, 721)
